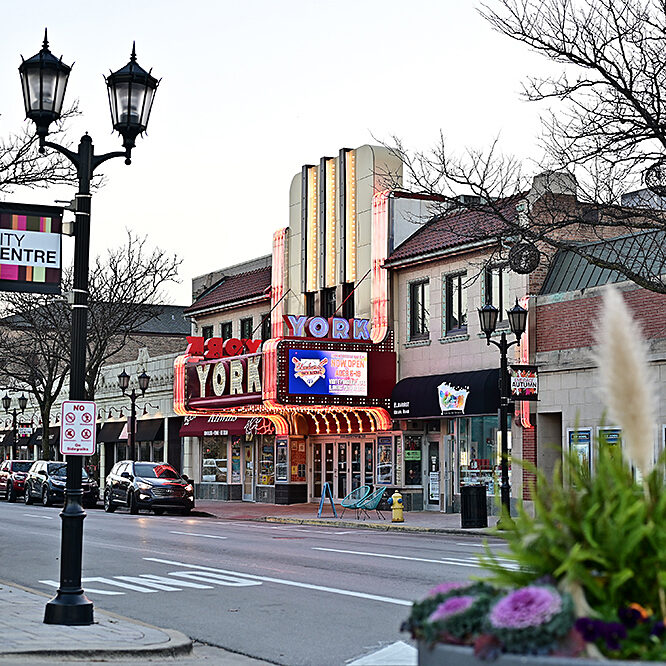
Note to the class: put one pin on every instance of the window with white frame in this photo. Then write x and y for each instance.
(497, 289)
(419, 310)
(456, 303)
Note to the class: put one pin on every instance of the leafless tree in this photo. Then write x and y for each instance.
(34, 334)
(125, 286)
(21, 164)
(606, 125)
(126, 290)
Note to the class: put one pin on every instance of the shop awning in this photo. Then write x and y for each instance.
(199, 426)
(36, 437)
(110, 431)
(150, 430)
(418, 397)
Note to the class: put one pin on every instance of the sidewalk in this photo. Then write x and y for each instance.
(25, 639)
(306, 514)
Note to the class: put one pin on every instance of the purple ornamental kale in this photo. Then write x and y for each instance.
(528, 606)
(450, 607)
(444, 588)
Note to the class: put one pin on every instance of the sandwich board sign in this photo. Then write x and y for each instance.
(78, 428)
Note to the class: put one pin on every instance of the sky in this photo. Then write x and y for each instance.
(252, 90)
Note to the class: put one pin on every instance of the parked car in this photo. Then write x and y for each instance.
(46, 483)
(12, 478)
(147, 485)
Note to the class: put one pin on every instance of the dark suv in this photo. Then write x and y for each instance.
(12, 478)
(147, 485)
(46, 483)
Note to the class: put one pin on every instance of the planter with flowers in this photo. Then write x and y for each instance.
(589, 580)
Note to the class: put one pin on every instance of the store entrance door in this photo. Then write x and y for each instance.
(431, 483)
(248, 471)
(344, 465)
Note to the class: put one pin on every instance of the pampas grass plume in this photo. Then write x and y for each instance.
(626, 380)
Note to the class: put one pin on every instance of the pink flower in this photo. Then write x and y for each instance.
(444, 588)
(451, 606)
(529, 606)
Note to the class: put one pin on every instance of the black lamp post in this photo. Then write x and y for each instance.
(123, 382)
(6, 403)
(131, 93)
(488, 316)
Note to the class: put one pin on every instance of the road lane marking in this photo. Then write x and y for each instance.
(92, 590)
(181, 583)
(220, 579)
(149, 583)
(207, 536)
(36, 515)
(391, 557)
(444, 560)
(281, 581)
(282, 528)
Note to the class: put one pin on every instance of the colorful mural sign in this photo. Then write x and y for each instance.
(452, 398)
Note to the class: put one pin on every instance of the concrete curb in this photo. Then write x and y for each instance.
(388, 527)
(178, 644)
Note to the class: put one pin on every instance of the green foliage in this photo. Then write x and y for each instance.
(603, 532)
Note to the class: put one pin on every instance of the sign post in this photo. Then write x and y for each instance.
(78, 431)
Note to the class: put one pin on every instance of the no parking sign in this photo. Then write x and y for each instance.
(78, 430)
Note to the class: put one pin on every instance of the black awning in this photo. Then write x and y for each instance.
(7, 438)
(150, 430)
(36, 437)
(110, 431)
(418, 397)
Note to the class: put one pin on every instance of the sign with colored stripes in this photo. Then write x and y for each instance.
(30, 248)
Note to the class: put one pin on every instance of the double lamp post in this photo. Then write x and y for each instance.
(7, 403)
(517, 316)
(123, 382)
(131, 92)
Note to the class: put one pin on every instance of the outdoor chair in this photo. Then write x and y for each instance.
(371, 503)
(352, 500)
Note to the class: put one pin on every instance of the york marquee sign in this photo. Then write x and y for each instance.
(30, 248)
(222, 373)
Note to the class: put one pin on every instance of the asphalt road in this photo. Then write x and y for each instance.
(288, 594)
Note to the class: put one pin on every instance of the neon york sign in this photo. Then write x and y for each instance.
(219, 347)
(333, 328)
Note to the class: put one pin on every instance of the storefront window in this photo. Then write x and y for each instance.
(369, 464)
(235, 460)
(480, 450)
(158, 452)
(143, 449)
(281, 465)
(214, 460)
(267, 461)
(384, 461)
(412, 460)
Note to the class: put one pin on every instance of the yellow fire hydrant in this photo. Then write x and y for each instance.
(395, 502)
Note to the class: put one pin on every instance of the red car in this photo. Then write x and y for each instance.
(12, 478)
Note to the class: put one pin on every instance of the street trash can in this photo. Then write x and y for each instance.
(473, 510)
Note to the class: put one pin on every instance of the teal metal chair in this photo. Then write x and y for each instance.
(371, 503)
(352, 500)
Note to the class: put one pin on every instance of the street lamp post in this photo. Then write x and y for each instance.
(488, 316)
(123, 382)
(131, 92)
(6, 403)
